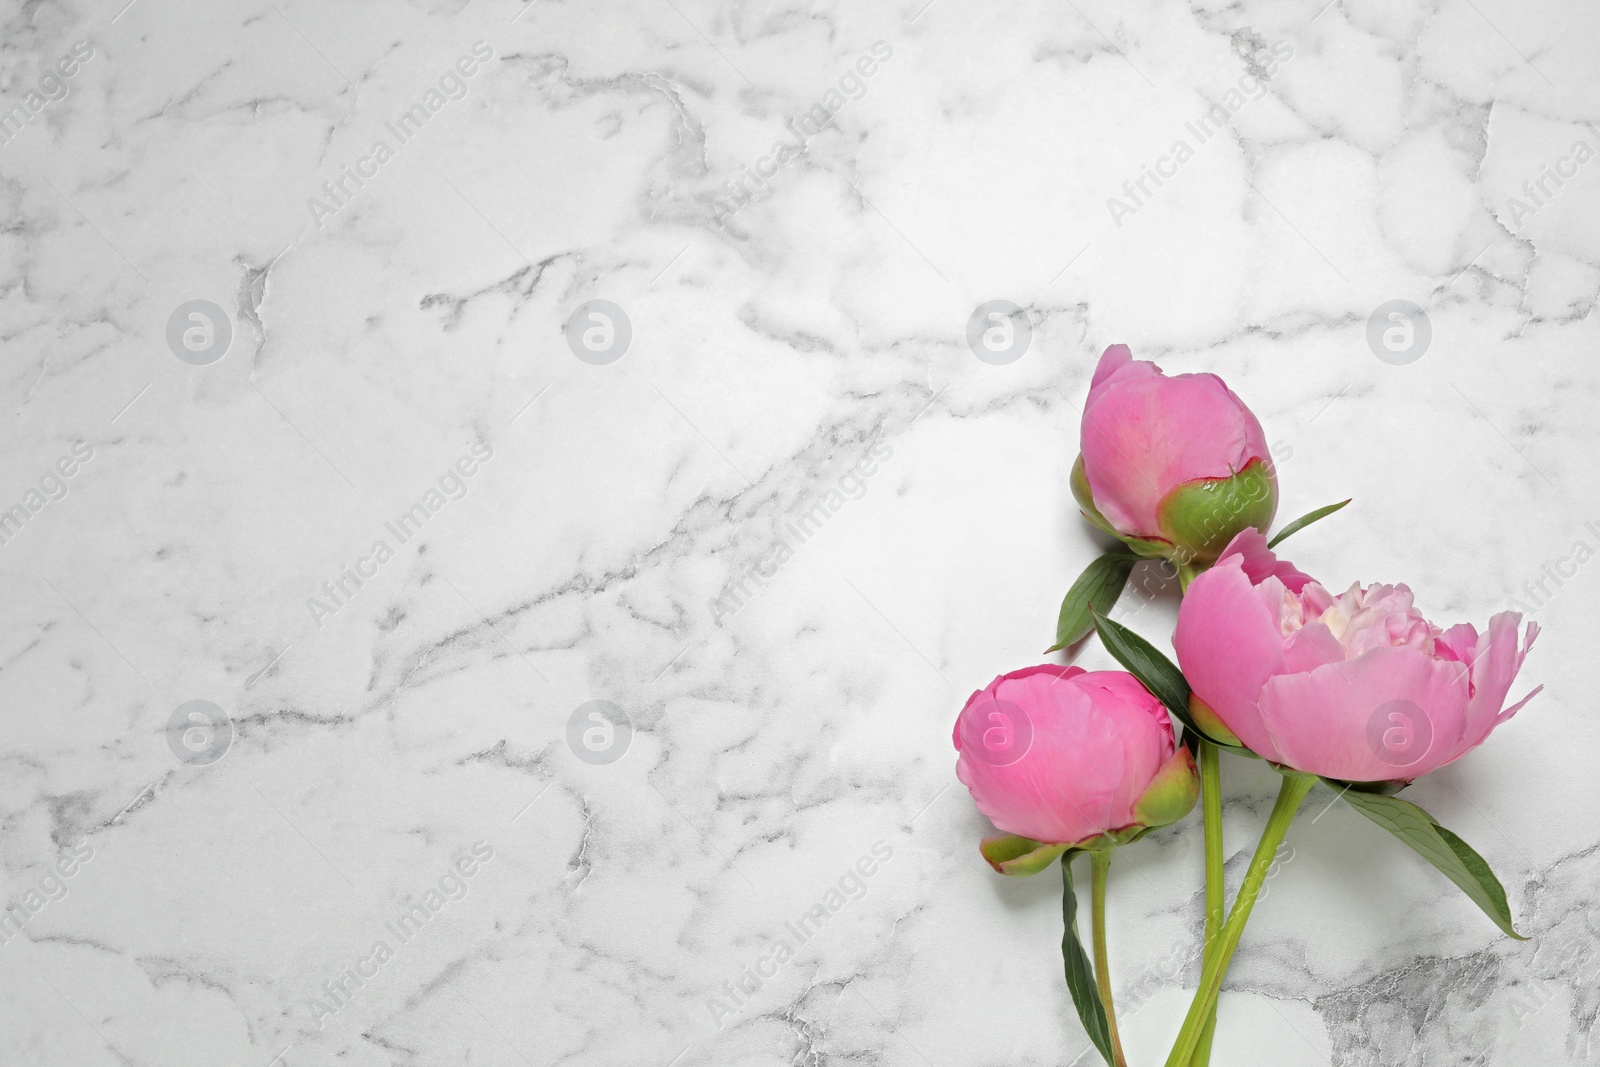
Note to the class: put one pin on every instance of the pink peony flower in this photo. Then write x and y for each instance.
(1357, 686)
(1174, 466)
(1061, 755)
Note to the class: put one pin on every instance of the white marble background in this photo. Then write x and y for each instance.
(375, 745)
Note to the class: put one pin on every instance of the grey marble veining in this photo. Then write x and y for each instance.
(550, 683)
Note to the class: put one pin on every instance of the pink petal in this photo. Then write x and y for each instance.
(1117, 364)
(1259, 561)
(1049, 671)
(1311, 647)
(1128, 692)
(1459, 643)
(1095, 741)
(1335, 720)
(1513, 709)
(1494, 669)
(1121, 696)
(1228, 645)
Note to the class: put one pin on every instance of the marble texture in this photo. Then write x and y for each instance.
(784, 340)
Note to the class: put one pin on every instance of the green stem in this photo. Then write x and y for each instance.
(1187, 572)
(1294, 790)
(1211, 809)
(1100, 865)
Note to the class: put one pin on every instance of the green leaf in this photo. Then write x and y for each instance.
(1156, 673)
(1096, 589)
(1453, 856)
(1145, 662)
(1080, 975)
(1306, 520)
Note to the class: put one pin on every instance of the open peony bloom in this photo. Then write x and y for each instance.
(1061, 756)
(1356, 686)
(1174, 466)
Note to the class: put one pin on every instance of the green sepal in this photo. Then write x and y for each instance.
(1079, 480)
(1208, 721)
(1096, 589)
(1155, 672)
(1149, 548)
(1452, 856)
(1019, 857)
(1143, 547)
(1202, 516)
(1112, 839)
(1171, 794)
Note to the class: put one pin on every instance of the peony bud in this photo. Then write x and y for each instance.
(1059, 757)
(1358, 687)
(1176, 466)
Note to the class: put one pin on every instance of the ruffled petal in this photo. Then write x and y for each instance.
(1459, 642)
(1311, 647)
(1390, 714)
(1259, 561)
(1494, 669)
(1117, 364)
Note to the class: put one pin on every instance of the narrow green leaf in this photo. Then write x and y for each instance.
(1306, 520)
(1096, 589)
(1145, 662)
(1080, 974)
(1158, 674)
(1451, 855)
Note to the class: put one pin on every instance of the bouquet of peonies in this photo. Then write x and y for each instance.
(1354, 689)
